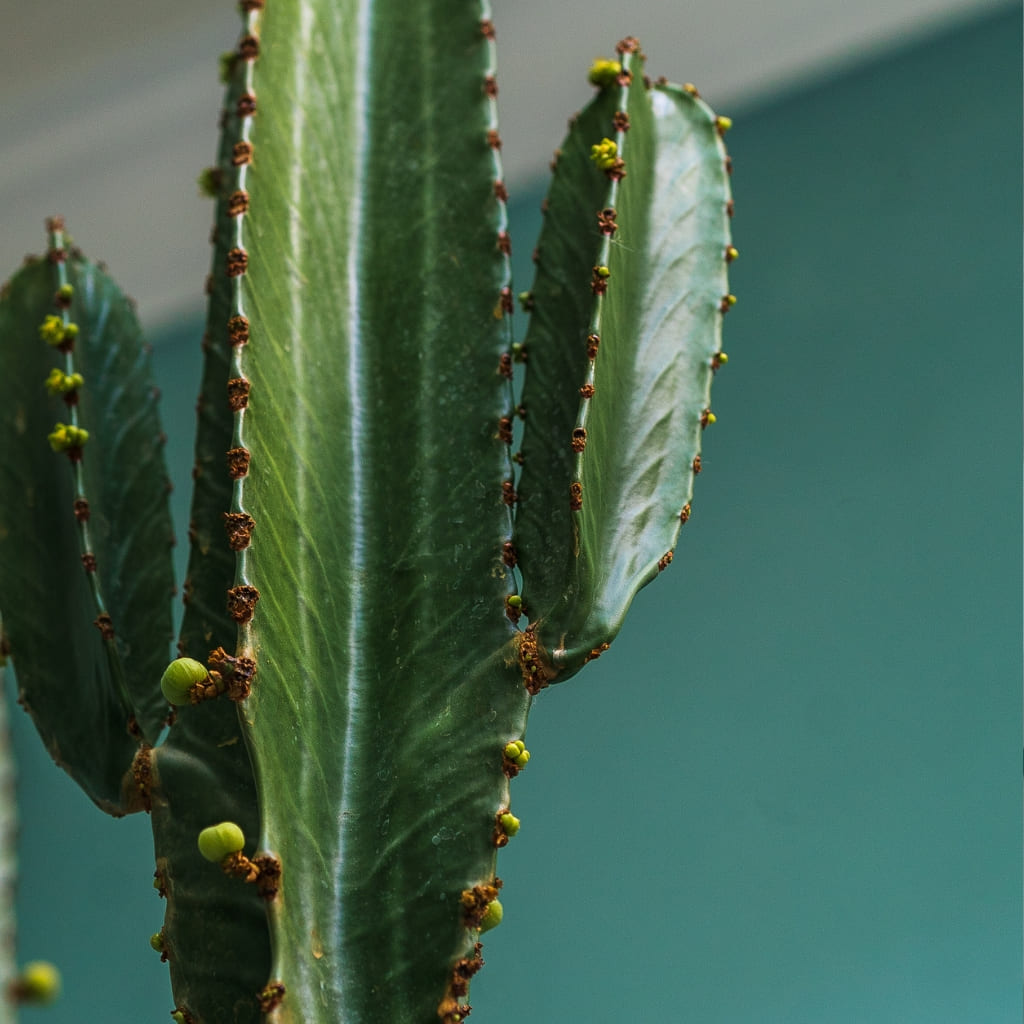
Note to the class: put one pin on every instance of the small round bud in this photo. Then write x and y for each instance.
(723, 124)
(514, 749)
(64, 437)
(602, 271)
(208, 182)
(220, 841)
(156, 940)
(179, 677)
(38, 984)
(64, 292)
(51, 330)
(604, 72)
(604, 153)
(492, 916)
(509, 823)
(522, 758)
(514, 601)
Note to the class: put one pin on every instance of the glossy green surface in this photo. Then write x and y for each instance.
(215, 927)
(386, 687)
(653, 317)
(83, 692)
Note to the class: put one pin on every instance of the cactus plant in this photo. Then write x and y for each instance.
(377, 586)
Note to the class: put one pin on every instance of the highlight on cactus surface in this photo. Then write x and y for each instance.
(404, 523)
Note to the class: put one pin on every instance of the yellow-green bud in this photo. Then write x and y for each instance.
(51, 330)
(514, 601)
(604, 72)
(492, 916)
(178, 1016)
(61, 383)
(64, 292)
(514, 749)
(207, 182)
(509, 823)
(524, 756)
(723, 124)
(226, 64)
(220, 841)
(156, 940)
(179, 677)
(604, 153)
(39, 983)
(602, 271)
(64, 437)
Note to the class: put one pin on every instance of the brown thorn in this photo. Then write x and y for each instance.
(238, 394)
(237, 262)
(241, 602)
(238, 462)
(241, 153)
(238, 203)
(238, 330)
(239, 527)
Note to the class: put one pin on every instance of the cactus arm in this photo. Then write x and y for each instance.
(625, 328)
(201, 774)
(85, 533)
(376, 283)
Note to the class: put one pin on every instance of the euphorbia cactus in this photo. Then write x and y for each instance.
(385, 565)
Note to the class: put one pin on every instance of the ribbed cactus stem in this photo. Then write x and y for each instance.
(243, 595)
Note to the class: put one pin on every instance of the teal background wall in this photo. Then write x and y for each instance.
(791, 790)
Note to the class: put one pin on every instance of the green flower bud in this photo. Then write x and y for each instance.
(492, 916)
(64, 292)
(156, 940)
(64, 437)
(514, 749)
(509, 823)
(51, 330)
(604, 72)
(220, 841)
(179, 677)
(604, 153)
(38, 983)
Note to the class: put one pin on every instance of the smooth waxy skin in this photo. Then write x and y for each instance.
(86, 693)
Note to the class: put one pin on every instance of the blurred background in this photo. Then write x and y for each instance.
(790, 793)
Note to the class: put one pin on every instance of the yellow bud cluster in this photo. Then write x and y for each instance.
(60, 383)
(604, 72)
(604, 153)
(517, 753)
(65, 437)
